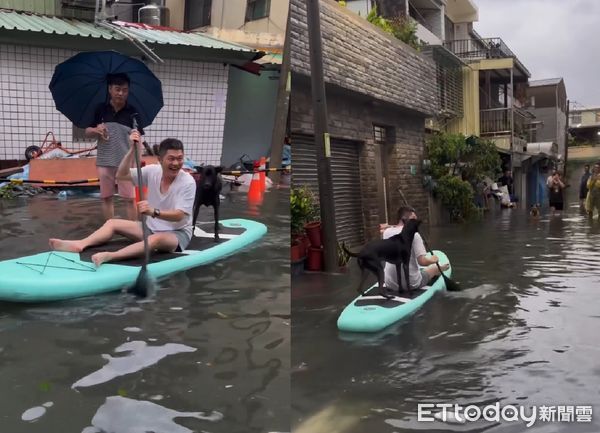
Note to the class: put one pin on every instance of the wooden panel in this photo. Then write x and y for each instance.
(69, 169)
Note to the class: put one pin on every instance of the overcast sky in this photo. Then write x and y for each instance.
(552, 38)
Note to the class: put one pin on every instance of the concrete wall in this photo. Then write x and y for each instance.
(250, 115)
(584, 153)
(176, 13)
(469, 123)
(231, 14)
(548, 129)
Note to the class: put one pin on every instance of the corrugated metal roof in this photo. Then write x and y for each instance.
(545, 82)
(152, 35)
(25, 21)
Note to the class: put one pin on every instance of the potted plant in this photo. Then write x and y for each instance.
(302, 210)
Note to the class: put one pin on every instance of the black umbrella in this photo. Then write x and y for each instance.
(79, 85)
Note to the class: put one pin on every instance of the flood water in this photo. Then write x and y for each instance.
(524, 331)
(210, 352)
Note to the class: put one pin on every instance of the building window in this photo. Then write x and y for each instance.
(257, 9)
(383, 134)
(575, 118)
(197, 13)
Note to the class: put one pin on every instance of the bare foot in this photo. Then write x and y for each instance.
(100, 258)
(67, 246)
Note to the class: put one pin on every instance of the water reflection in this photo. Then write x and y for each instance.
(141, 356)
(124, 415)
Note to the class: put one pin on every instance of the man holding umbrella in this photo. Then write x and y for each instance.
(100, 91)
(112, 124)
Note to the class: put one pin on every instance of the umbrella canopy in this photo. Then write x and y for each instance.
(79, 85)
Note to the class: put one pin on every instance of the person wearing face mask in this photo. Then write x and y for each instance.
(170, 202)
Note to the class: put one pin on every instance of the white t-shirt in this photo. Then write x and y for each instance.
(180, 196)
(418, 250)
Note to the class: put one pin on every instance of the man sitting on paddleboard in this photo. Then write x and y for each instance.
(170, 202)
(418, 278)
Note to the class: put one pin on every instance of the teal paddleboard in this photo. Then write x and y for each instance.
(54, 275)
(372, 312)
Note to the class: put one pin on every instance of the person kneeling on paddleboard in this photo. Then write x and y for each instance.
(170, 201)
(418, 278)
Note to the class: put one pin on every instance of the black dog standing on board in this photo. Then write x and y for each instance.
(396, 250)
(208, 190)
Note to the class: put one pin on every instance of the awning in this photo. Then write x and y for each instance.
(545, 147)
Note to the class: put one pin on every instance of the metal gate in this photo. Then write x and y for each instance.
(346, 182)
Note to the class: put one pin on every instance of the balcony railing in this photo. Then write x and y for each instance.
(483, 48)
(497, 121)
(490, 48)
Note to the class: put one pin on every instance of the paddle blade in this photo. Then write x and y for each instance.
(143, 284)
(451, 286)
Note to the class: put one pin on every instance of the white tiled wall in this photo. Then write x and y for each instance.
(194, 95)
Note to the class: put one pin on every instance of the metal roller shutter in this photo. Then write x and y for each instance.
(346, 182)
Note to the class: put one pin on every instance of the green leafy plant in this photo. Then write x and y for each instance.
(458, 163)
(457, 196)
(302, 208)
(7, 191)
(401, 27)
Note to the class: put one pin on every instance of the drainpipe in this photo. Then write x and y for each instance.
(101, 21)
(135, 42)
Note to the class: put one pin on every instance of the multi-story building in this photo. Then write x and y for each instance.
(584, 125)
(259, 24)
(546, 149)
(481, 83)
(251, 100)
(547, 101)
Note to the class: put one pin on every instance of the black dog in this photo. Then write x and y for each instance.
(395, 250)
(208, 189)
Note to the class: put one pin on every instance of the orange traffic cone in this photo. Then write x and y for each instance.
(255, 194)
(263, 166)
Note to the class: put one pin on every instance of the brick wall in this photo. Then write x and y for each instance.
(351, 116)
(360, 57)
(194, 96)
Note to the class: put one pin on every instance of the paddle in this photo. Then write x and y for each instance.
(143, 282)
(451, 286)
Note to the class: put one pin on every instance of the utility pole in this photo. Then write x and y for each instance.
(566, 142)
(322, 144)
(281, 107)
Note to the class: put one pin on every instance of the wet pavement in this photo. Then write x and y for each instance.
(523, 332)
(208, 353)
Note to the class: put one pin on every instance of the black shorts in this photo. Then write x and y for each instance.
(557, 205)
